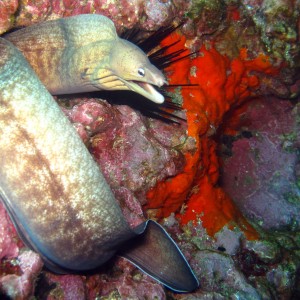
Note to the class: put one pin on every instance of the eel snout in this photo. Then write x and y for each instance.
(154, 75)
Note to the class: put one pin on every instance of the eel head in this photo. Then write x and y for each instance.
(134, 70)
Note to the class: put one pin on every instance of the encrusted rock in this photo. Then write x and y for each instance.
(260, 175)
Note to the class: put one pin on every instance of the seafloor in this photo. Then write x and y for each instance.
(224, 181)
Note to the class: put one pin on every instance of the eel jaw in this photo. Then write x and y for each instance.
(145, 89)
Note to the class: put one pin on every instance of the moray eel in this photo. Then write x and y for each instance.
(84, 54)
(52, 188)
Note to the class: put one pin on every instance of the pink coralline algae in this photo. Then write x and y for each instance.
(133, 145)
(65, 287)
(148, 14)
(260, 175)
(20, 283)
(125, 283)
(19, 267)
(133, 151)
(7, 8)
(157, 11)
(8, 236)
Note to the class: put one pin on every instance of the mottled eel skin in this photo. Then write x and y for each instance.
(56, 194)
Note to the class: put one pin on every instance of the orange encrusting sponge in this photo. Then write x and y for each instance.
(221, 83)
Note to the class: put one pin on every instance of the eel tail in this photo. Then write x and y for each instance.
(155, 253)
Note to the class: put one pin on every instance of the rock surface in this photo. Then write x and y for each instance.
(261, 175)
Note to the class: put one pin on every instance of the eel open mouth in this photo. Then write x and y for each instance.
(145, 89)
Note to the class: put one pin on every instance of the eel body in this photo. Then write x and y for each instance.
(56, 194)
(84, 54)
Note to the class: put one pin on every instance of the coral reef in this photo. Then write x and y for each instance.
(225, 183)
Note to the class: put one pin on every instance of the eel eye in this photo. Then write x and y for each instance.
(141, 72)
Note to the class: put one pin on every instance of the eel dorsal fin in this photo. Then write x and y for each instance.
(155, 253)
